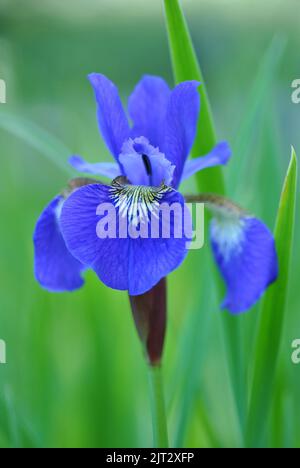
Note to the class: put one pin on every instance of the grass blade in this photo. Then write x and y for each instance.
(12, 418)
(256, 108)
(272, 315)
(194, 343)
(37, 138)
(186, 67)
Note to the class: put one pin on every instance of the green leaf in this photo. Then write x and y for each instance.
(250, 125)
(186, 67)
(194, 342)
(12, 417)
(272, 315)
(37, 138)
(257, 106)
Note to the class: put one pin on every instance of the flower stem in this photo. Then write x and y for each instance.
(159, 421)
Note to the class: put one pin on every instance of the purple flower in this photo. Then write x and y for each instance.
(151, 160)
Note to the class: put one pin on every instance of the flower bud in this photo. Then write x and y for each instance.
(150, 316)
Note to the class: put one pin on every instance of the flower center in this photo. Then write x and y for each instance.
(137, 202)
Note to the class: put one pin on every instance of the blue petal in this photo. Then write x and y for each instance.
(245, 252)
(135, 265)
(134, 167)
(110, 170)
(219, 155)
(147, 107)
(55, 268)
(181, 125)
(112, 120)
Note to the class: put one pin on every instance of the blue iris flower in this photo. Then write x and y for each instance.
(151, 156)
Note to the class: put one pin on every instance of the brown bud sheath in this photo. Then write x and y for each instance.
(150, 317)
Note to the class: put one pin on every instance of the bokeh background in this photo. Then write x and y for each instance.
(75, 375)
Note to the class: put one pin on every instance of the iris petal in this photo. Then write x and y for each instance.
(133, 264)
(131, 158)
(106, 169)
(147, 107)
(181, 125)
(55, 268)
(112, 119)
(244, 250)
(219, 155)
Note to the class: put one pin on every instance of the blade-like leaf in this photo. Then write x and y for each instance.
(272, 315)
(186, 67)
(194, 342)
(250, 125)
(37, 138)
(257, 106)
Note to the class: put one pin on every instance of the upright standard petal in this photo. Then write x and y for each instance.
(123, 261)
(147, 107)
(181, 125)
(55, 267)
(112, 120)
(219, 155)
(245, 252)
(145, 165)
(106, 169)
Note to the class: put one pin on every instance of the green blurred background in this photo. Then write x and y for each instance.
(75, 375)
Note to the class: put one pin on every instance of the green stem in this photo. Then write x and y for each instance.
(158, 410)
